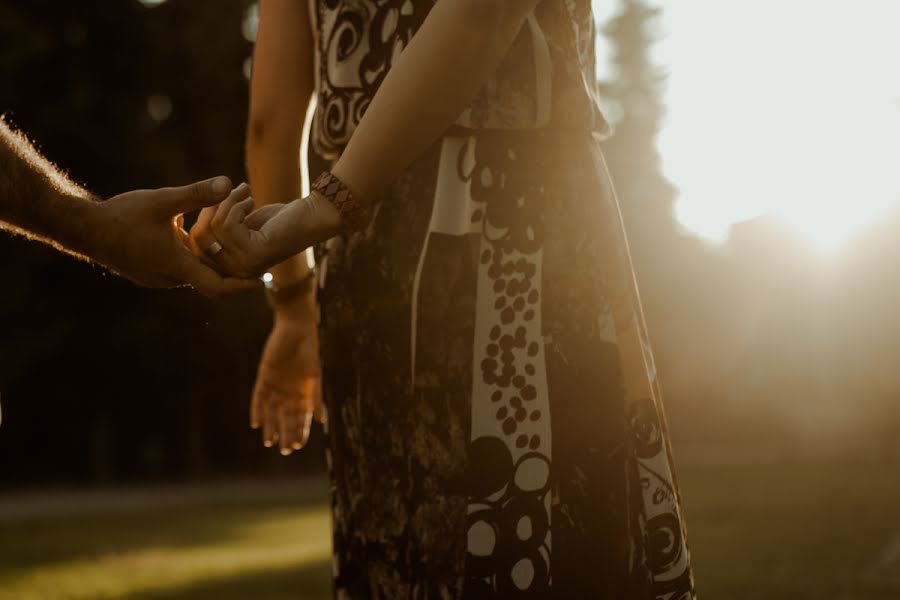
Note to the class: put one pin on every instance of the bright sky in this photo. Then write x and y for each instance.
(783, 107)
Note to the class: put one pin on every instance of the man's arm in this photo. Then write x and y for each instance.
(136, 234)
(37, 200)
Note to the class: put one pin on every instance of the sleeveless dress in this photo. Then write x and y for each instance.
(494, 420)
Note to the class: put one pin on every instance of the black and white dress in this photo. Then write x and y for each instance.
(495, 426)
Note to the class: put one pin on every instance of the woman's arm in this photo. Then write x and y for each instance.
(286, 392)
(281, 88)
(458, 46)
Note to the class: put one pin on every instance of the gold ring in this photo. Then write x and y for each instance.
(213, 248)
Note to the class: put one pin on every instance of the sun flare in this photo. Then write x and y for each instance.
(785, 108)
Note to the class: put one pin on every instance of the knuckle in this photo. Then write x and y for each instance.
(218, 222)
(220, 233)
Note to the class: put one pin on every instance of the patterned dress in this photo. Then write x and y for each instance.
(495, 426)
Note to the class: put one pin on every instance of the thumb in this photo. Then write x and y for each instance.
(177, 200)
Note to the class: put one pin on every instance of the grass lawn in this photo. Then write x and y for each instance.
(774, 533)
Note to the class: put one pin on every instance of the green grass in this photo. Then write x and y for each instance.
(272, 549)
(773, 533)
(793, 532)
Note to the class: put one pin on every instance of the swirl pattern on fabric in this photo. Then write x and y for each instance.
(359, 40)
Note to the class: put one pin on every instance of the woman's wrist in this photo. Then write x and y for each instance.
(331, 188)
(300, 224)
(293, 269)
(286, 235)
(282, 294)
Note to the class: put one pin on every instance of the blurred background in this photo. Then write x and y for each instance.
(755, 153)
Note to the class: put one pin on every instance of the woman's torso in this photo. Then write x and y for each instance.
(547, 79)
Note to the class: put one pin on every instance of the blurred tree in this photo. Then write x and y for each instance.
(635, 95)
(676, 272)
(760, 342)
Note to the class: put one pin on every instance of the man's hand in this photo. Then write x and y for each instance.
(139, 235)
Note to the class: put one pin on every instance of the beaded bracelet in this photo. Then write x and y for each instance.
(336, 192)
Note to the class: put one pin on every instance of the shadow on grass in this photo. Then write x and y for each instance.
(308, 582)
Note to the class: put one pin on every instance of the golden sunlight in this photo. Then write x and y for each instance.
(785, 108)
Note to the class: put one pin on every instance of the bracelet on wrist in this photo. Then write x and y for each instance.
(335, 191)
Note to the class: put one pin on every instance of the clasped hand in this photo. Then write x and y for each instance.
(236, 240)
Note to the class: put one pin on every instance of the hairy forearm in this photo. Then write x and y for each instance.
(39, 201)
(458, 46)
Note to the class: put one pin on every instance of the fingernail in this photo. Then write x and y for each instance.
(268, 443)
(220, 186)
(296, 445)
(254, 425)
(286, 451)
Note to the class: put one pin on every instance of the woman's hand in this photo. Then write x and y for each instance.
(287, 395)
(244, 243)
(232, 239)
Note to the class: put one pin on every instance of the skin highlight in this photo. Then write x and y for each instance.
(137, 235)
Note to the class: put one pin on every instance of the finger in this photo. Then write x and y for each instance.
(208, 282)
(261, 215)
(303, 414)
(241, 192)
(202, 256)
(288, 422)
(239, 212)
(188, 242)
(227, 264)
(309, 412)
(257, 404)
(183, 236)
(234, 230)
(175, 200)
(200, 232)
(270, 420)
(305, 427)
